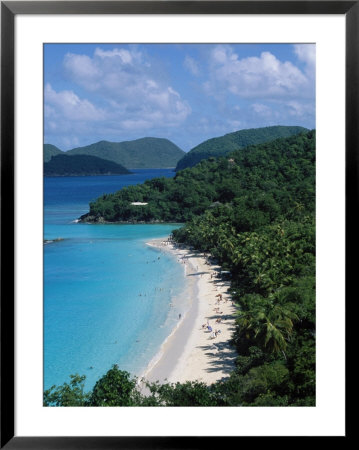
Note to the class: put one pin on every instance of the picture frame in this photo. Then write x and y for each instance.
(9, 10)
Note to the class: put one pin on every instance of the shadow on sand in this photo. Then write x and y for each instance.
(221, 355)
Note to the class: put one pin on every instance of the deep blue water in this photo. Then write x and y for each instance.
(107, 294)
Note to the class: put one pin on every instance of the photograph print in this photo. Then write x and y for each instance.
(179, 225)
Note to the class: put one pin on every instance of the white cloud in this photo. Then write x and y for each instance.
(254, 77)
(305, 53)
(300, 109)
(82, 66)
(67, 116)
(131, 90)
(262, 110)
(124, 55)
(191, 65)
(68, 106)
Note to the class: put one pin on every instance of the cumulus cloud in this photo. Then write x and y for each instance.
(306, 53)
(68, 116)
(124, 81)
(68, 106)
(125, 92)
(254, 77)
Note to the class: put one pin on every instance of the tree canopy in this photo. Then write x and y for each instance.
(254, 212)
(221, 146)
(77, 165)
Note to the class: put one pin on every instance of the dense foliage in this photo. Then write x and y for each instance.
(65, 165)
(50, 151)
(263, 182)
(223, 145)
(266, 239)
(254, 212)
(141, 153)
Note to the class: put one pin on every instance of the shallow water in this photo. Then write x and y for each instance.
(107, 294)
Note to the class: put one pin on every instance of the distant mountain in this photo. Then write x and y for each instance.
(50, 151)
(81, 165)
(223, 145)
(138, 154)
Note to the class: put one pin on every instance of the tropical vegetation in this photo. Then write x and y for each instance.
(253, 211)
(50, 151)
(77, 165)
(141, 153)
(221, 146)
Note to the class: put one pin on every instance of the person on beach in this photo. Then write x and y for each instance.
(179, 316)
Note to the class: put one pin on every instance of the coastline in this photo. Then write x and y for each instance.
(191, 352)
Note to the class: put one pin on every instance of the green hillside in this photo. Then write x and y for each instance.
(221, 146)
(138, 154)
(80, 165)
(267, 177)
(253, 213)
(50, 151)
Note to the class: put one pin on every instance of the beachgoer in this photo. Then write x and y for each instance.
(179, 316)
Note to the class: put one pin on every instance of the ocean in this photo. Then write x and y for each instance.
(108, 297)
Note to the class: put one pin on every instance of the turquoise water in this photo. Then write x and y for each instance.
(107, 294)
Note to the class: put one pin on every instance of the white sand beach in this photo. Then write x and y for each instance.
(193, 352)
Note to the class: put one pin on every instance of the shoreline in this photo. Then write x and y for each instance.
(191, 352)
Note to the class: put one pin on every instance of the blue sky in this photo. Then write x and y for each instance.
(183, 92)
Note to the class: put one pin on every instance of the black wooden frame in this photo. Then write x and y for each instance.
(8, 11)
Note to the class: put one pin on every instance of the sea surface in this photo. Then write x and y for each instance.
(107, 295)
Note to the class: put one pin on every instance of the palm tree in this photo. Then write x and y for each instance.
(270, 326)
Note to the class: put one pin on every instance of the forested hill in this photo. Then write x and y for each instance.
(253, 212)
(260, 182)
(138, 154)
(81, 165)
(223, 145)
(50, 151)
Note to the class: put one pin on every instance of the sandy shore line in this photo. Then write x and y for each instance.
(193, 352)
